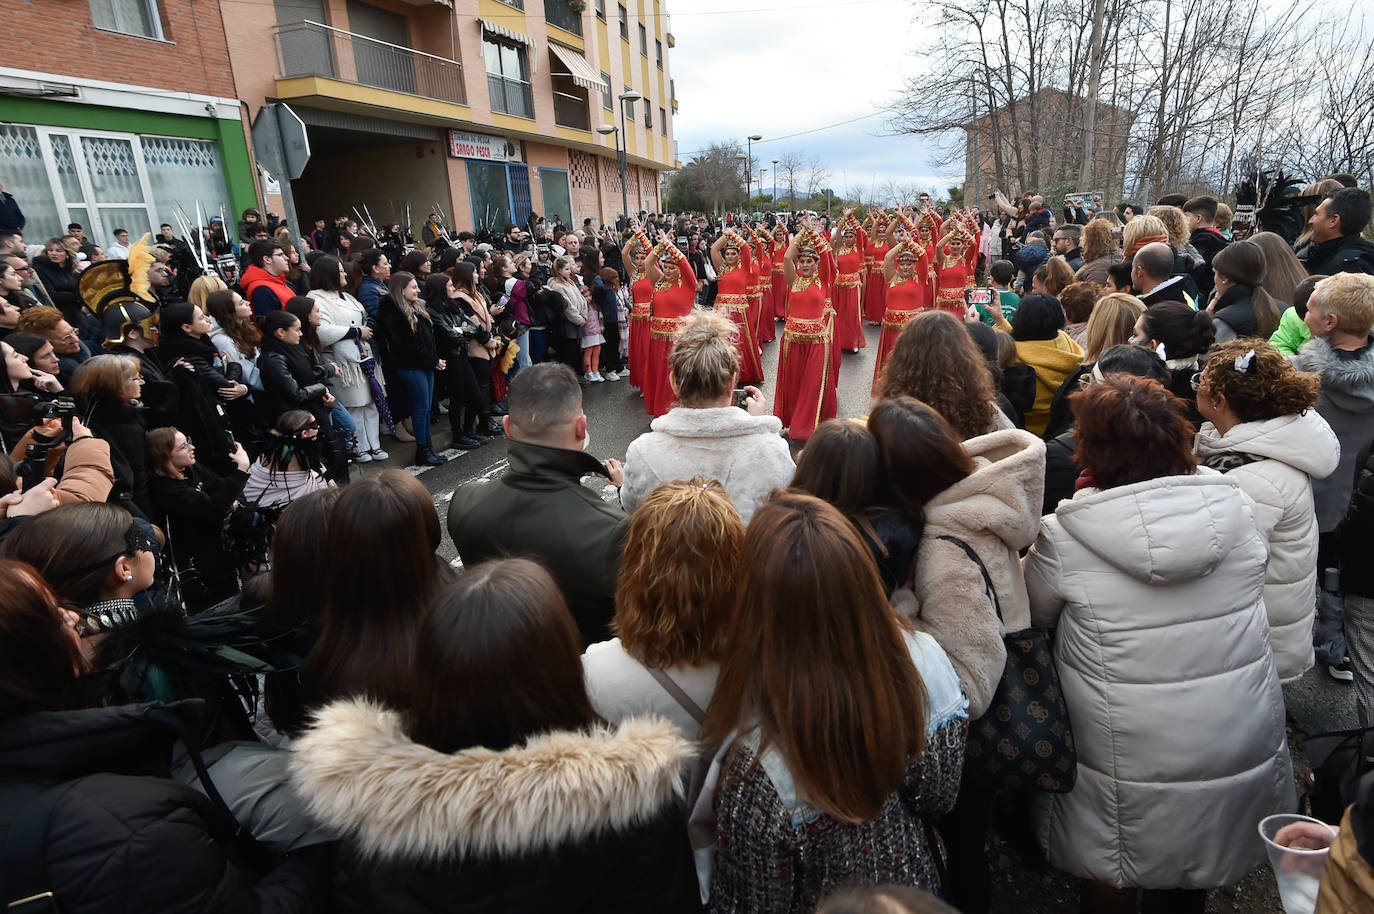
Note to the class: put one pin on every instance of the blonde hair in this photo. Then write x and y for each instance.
(679, 574)
(204, 286)
(1111, 323)
(1350, 297)
(104, 377)
(1097, 240)
(1142, 226)
(704, 358)
(1224, 216)
(1175, 223)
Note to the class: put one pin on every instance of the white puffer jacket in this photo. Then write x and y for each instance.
(1294, 450)
(1163, 653)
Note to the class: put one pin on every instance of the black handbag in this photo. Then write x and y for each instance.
(1024, 741)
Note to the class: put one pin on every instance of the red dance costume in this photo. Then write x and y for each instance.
(952, 276)
(761, 291)
(732, 297)
(875, 286)
(905, 300)
(849, 264)
(641, 294)
(806, 369)
(672, 302)
(781, 242)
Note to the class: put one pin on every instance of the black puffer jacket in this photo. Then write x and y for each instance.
(409, 348)
(1346, 254)
(123, 836)
(289, 381)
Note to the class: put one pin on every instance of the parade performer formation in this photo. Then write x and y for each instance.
(806, 368)
(675, 289)
(641, 297)
(875, 287)
(850, 248)
(733, 263)
(906, 276)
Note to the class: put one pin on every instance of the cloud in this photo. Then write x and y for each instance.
(779, 72)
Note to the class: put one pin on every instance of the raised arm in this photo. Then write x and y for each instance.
(789, 262)
(717, 261)
(890, 262)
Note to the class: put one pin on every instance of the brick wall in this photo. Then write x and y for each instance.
(194, 58)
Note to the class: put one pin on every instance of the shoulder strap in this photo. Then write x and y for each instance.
(682, 698)
(25, 875)
(987, 578)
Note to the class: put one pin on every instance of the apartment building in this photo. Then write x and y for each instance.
(114, 113)
(485, 109)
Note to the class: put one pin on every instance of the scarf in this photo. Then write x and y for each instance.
(1141, 242)
(256, 276)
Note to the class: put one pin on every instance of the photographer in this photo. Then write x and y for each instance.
(452, 332)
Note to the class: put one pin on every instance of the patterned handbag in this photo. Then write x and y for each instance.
(1023, 742)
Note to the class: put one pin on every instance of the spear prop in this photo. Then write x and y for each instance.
(200, 234)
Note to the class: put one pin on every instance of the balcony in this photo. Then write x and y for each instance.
(561, 14)
(309, 49)
(571, 110)
(510, 96)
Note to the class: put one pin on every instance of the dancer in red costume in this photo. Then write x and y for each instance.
(733, 263)
(956, 262)
(849, 264)
(761, 287)
(907, 271)
(675, 291)
(781, 242)
(875, 286)
(641, 294)
(806, 366)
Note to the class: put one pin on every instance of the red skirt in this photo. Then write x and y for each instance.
(805, 394)
(750, 365)
(849, 324)
(875, 297)
(894, 322)
(765, 328)
(779, 295)
(639, 344)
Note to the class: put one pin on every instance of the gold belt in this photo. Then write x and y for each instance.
(804, 331)
(899, 319)
(640, 310)
(732, 301)
(955, 295)
(665, 328)
(847, 281)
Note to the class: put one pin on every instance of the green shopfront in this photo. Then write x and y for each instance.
(123, 160)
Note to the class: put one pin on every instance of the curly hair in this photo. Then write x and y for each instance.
(1055, 275)
(1269, 387)
(1130, 430)
(679, 574)
(936, 361)
(1174, 221)
(1097, 240)
(1078, 299)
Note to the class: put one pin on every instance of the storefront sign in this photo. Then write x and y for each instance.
(476, 146)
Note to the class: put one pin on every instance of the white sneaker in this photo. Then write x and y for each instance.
(611, 376)
(362, 457)
(379, 454)
(596, 376)
(587, 378)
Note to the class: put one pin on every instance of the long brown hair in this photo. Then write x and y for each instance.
(62, 545)
(841, 465)
(678, 574)
(162, 442)
(1282, 269)
(497, 660)
(39, 660)
(382, 535)
(1243, 262)
(936, 361)
(817, 659)
(920, 454)
(241, 330)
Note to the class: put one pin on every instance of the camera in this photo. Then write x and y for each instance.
(740, 397)
(24, 407)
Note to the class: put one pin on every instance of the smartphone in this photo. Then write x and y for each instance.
(982, 297)
(740, 397)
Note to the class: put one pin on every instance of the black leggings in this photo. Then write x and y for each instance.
(481, 372)
(464, 397)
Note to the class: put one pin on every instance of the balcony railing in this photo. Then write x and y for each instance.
(510, 96)
(570, 111)
(311, 49)
(561, 14)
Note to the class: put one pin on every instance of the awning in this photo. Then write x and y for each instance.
(582, 73)
(504, 32)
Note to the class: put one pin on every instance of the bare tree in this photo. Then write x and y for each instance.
(817, 177)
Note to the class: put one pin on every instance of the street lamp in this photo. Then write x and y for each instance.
(749, 169)
(775, 185)
(743, 159)
(761, 171)
(620, 150)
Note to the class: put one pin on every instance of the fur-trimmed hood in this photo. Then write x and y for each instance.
(1345, 381)
(395, 799)
(1003, 494)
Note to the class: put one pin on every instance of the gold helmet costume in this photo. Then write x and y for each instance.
(118, 292)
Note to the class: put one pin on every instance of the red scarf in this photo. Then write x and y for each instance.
(256, 276)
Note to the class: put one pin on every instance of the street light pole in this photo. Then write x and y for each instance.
(622, 147)
(775, 184)
(749, 169)
(606, 130)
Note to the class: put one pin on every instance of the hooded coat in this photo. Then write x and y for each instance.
(1347, 405)
(569, 821)
(745, 453)
(996, 511)
(1157, 589)
(1287, 453)
(1053, 361)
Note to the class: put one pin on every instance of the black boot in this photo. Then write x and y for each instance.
(425, 456)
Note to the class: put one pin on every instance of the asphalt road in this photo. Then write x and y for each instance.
(1022, 882)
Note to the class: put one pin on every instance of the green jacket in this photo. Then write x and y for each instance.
(540, 510)
(1292, 333)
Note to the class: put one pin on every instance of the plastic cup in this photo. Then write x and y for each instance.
(1298, 858)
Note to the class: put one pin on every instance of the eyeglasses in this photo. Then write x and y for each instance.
(186, 446)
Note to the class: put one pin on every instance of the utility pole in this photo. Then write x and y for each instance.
(1085, 173)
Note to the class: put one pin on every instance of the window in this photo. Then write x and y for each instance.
(507, 77)
(601, 10)
(606, 101)
(643, 40)
(648, 115)
(132, 17)
(561, 14)
(658, 52)
(662, 121)
(624, 23)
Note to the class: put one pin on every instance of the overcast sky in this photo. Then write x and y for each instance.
(780, 57)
